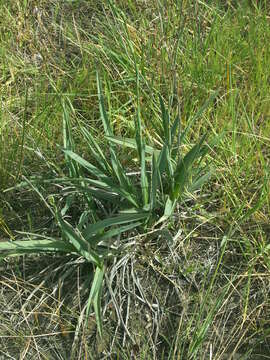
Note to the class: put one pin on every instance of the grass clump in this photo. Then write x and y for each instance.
(148, 200)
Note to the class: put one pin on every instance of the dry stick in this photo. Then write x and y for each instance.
(117, 326)
(128, 302)
(150, 306)
(120, 318)
(32, 335)
(23, 313)
(76, 335)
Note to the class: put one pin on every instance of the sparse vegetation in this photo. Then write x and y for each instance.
(134, 176)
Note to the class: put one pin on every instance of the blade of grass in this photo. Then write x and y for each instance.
(198, 115)
(144, 179)
(78, 241)
(68, 142)
(174, 128)
(118, 169)
(107, 182)
(183, 170)
(165, 122)
(73, 166)
(98, 154)
(154, 182)
(92, 229)
(131, 143)
(26, 246)
(95, 297)
(114, 232)
(23, 135)
(140, 141)
(91, 168)
(168, 211)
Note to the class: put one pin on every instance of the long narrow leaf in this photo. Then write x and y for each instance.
(78, 242)
(161, 161)
(165, 168)
(165, 122)
(198, 114)
(116, 165)
(68, 143)
(144, 179)
(95, 297)
(154, 182)
(98, 173)
(131, 143)
(91, 168)
(114, 232)
(99, 193)
(168, 210)
(174, 128)
(35, 246)
(183, 170)
(103, 113)
(137, 119)
(96, 150)
(111, 188)
(73, 166)
(199, 181)
(93, 229)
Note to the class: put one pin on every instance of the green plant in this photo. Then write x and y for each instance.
(164, 176)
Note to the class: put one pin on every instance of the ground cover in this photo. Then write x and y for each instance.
(197, 285)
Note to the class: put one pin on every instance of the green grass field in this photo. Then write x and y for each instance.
(156, 247)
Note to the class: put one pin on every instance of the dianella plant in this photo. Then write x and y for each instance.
(115, 201)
